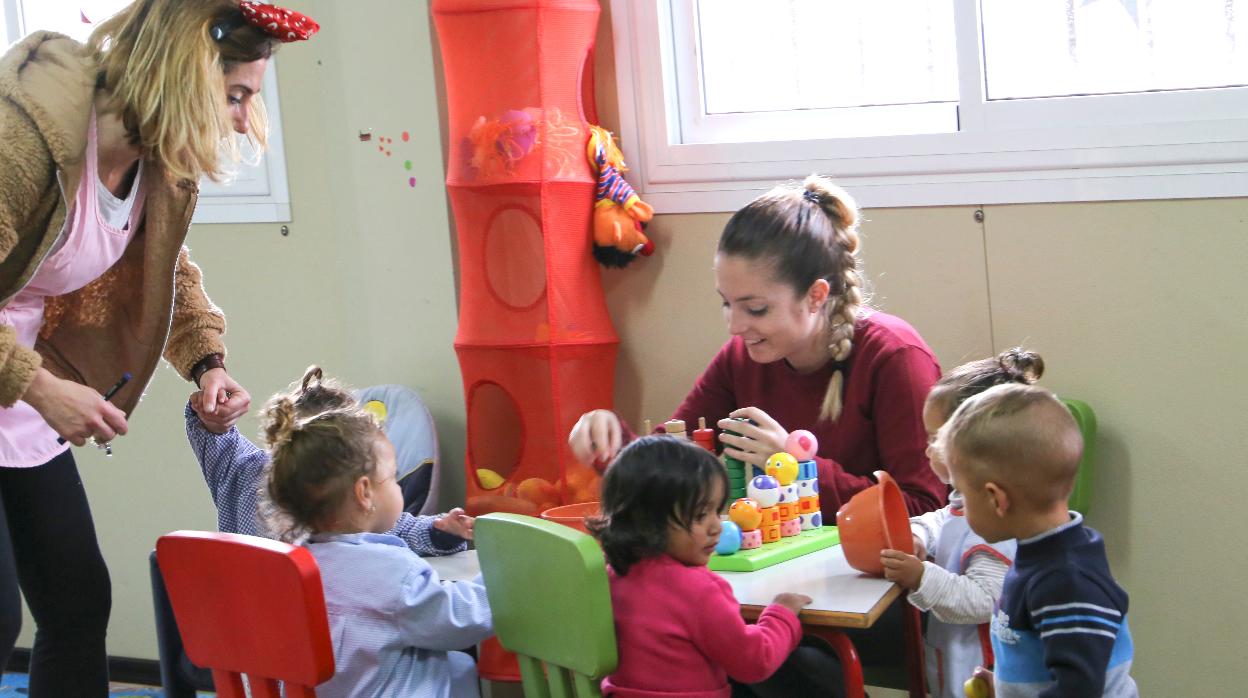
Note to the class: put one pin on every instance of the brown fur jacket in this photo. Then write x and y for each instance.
(151, 302)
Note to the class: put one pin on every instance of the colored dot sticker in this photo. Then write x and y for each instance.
(407, 164)
(388, 153)
(411, 182)
(406, 136)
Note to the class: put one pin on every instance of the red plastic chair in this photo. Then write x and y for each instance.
(843, 647)
(248, 605)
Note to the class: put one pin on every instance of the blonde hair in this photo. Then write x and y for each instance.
(166, 75)
(317, 455)
(809, 232)
(1015, 365)
(1019, 436)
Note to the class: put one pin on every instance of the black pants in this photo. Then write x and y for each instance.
(48, 546)
(811, 670)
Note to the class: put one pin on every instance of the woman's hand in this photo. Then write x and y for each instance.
(222, 401)
(757, 441)
(596, 438)
(905, 570)
(456, 523)
(75, 411)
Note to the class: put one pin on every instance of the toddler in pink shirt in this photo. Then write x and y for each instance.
(679, 629)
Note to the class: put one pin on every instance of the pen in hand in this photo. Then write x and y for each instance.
(125, 378)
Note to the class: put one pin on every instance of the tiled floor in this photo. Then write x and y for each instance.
(14, 686)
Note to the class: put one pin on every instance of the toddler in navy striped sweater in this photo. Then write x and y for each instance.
(1061, 626)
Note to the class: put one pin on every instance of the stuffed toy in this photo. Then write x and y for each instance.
(620, 216)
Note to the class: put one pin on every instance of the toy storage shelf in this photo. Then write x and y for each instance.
(774, 553)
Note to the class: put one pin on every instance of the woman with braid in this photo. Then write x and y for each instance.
(806, 352)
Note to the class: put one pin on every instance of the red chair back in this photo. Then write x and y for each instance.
(248, 605)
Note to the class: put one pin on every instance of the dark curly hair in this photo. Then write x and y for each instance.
(654, 482)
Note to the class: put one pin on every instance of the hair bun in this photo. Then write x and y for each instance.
(280, 423)
(313, 373)
(1025, 365)
(836, 202)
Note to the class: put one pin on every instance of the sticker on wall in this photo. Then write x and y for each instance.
(385, 148)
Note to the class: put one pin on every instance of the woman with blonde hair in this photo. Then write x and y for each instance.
(101, 150)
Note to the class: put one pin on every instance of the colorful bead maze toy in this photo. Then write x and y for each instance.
(780, 517)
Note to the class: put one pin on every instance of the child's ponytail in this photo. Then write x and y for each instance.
(317, 454)
(1015, 365)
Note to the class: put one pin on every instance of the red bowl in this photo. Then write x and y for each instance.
(573, 515)
(875, 519)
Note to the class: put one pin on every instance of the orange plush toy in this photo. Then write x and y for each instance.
(620, 216)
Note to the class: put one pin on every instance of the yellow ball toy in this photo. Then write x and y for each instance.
(977, 687)
(783, 467)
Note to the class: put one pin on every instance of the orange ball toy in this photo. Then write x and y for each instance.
(745, 514)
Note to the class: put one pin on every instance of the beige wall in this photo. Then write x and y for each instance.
(1138, 308)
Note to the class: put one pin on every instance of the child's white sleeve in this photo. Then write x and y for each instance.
(968, 598)
(926, 527)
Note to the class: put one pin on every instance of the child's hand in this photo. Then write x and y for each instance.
(979, 685)
(906, 570)
(212, 426)
(456, 523)
(920, 550)
(793, 602)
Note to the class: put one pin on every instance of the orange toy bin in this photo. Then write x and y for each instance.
(573, 515)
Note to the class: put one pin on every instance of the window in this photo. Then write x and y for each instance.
(257, 193)
(929, 102)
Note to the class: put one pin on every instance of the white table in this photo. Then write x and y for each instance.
(457, 567)
(843, 597)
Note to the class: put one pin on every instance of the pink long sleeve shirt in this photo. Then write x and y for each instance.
(887, 378)
(680, 634)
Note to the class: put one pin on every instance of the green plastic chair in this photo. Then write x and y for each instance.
(1081, 495)
(547, 585)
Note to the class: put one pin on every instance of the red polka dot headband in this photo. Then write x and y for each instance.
(283, 24)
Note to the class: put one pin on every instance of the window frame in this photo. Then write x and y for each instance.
(1007, 151)
(216, 202)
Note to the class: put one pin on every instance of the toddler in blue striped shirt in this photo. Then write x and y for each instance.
(394, 625)
(1060, 628)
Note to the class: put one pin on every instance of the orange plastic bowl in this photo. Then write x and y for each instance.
(573, 515)
(873, 520)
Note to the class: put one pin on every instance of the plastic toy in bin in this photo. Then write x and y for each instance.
(873, 520)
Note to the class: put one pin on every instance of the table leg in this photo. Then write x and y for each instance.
(914, 648)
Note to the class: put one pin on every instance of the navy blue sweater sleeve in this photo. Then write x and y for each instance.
(1078, 621)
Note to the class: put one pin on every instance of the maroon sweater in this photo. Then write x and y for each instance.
(887, 378)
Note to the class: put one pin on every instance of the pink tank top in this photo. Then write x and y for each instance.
(88, 246)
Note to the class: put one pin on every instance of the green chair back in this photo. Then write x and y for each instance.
(547, 585)
(1081, 496)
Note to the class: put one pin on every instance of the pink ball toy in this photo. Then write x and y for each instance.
(802, 444)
